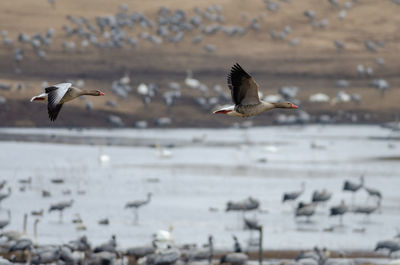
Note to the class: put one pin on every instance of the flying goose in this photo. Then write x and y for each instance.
(244, 92)
(59, 94)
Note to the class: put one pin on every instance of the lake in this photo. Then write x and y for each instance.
(190, 171)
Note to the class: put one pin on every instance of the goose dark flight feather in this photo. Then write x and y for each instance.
(61, 93)
(244, 92)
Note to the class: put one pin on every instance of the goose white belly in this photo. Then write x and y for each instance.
(252, 110)
(244, 111)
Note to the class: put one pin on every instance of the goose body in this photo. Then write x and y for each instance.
(321, 196)
(244, 205)
(366, 209)
(139, 203)
(61, 93)
(304, 209)
(353, 187)
(339, 210)
(244, 92)
(373, 192)
(291, 196)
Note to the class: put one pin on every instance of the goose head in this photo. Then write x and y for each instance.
(99, 93)
(285, 105)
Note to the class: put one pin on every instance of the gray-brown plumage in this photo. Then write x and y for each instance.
(59, 94)
(244, 92)
(244, 89)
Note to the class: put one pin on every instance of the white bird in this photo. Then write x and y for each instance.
(125, 80)
(163, 239)
(103, 158)
(143, 89)
(161, 152)
(190, 81)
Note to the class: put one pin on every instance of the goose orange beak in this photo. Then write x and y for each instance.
(294, 106)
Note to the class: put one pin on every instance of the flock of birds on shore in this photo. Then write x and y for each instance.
(19, 246)
(110, 32)
(319, 199)
(126, 30)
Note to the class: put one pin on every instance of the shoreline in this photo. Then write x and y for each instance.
(139, 137)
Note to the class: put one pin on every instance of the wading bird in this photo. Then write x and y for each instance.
(137, 204)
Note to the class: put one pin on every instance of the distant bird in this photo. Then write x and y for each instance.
(342, 14)
(321, 196)
(373, 192)
(315, 256)
(334, 2)
(339, 44)
(163, 257)
(391, 245)
(52, 3)
(370, 46)
(21, 245)
(81, 244)
(309, 257)
(292, 196)
(340, 210)
(137, 204)
(251, 224)
(162, 152)
(103, 158)
(306, 210)
(46, 256)
(310, 14)
(190, 81)
(163, 239)
(244, 92)
(234, 259)
(4, 223)
(109, 246)
(209, 48)
(353, 187)
(237, 248)
(244, 205)
(381, 84)
(61, 206)
(61, 93)
(205, 253)
(104, 221)
(46, 193)
(66, 255)
(140, 252)
(366, 209)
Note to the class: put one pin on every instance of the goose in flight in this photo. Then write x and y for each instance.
(59, 94)
(244, 92)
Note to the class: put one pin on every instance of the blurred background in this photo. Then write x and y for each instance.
(338, 59)
(152, 143)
